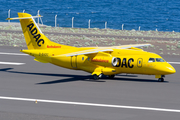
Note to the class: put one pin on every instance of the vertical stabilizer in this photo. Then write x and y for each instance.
(34, 37)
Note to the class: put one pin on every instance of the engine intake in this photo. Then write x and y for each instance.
(114, 61)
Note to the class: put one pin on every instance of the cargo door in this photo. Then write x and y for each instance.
(74, 61)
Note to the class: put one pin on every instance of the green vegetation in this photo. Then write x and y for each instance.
(168, 46)
(161, 49)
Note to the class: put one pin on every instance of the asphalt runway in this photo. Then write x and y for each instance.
(55, 93)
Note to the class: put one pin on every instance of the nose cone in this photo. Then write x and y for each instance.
(165, 68)
(170, 70)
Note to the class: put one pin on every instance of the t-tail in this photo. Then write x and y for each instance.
(34, 37)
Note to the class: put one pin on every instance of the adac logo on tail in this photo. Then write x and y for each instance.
(34, 32)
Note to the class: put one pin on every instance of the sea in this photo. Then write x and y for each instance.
(160, 15)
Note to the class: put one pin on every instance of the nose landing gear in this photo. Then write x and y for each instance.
(161, 79)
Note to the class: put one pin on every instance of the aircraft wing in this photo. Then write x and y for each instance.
(103, 49)
(129, 46)
(86, 52)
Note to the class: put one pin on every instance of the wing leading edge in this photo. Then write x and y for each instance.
(103, 49)
(129, 46)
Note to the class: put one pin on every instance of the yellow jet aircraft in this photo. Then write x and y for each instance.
(96, 60)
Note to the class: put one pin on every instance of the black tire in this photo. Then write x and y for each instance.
(96, 77)
(161, 80)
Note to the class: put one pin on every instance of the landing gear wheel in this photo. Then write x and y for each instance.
(161, 80)
(96, 77)
(111, 76)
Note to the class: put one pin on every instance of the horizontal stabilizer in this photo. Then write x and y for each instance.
(18, 18)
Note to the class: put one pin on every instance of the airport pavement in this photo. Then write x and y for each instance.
(67, 90)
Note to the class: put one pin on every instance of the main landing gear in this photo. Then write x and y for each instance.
(161, 79)
(96, 77)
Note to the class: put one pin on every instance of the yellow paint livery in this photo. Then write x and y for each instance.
(96, 60)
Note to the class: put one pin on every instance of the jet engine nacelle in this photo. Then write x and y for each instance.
(105, 61)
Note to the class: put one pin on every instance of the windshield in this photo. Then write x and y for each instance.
(159, 60)
(155, 60)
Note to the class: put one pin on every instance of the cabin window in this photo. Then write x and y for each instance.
(159, 60)
(151, 60)
(82, 58)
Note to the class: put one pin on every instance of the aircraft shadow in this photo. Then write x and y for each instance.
(134, 79)
(127, 75)
(72, 78)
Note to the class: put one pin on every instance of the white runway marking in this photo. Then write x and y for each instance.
(174, 62)
(90, 104)
(3, 53)
(11, 63)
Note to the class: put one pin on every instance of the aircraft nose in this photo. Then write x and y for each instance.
(170, 70)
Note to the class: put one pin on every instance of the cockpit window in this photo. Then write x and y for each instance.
(151, 60)
(159, 60)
